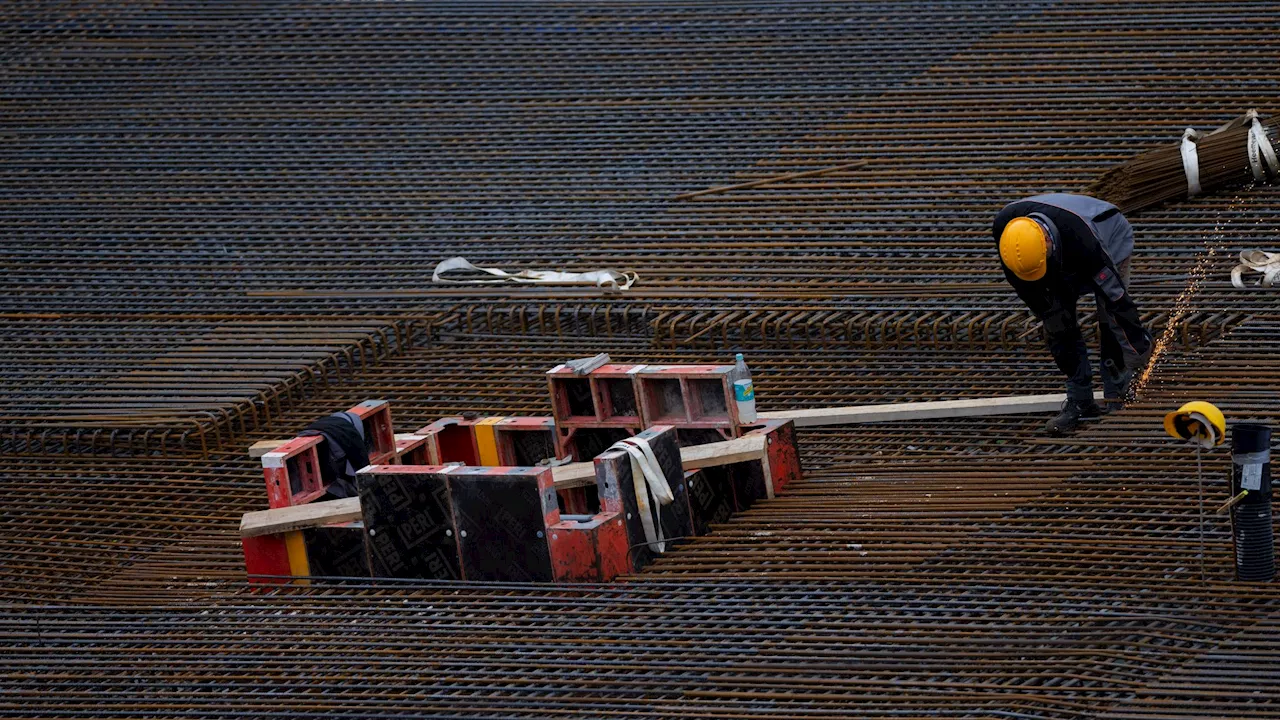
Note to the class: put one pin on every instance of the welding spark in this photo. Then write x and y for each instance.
(1186, 302)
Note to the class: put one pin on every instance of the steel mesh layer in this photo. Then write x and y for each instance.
(171, 385)
(174, 168)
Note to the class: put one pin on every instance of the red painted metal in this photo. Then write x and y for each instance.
(689, 397)
(602, 403)
(598, 389)
(505, 436)
(589, 549)
(574, 557)
(780, 450)
(612, 547)
(574, 501)
(292, 472)
(451, 439)
(376, 415)
(266, 555)
(413, 450)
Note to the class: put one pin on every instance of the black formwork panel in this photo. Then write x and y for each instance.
(618, 494)
(710, 500)
(502, 516)
(337, 550)
(409, 525)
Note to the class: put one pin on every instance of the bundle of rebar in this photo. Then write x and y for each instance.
(1231, 156)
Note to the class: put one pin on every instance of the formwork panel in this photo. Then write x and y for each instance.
(409, 524)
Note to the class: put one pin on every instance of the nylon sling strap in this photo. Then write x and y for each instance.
(1259, 261)
(600, 278)
(652, 490)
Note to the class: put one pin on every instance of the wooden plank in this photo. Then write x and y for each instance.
(974, 407)
(297, 517)
(742, 449)
(262, 447)
(580, 474)
(729, 452)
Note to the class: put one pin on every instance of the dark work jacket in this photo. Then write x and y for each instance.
(1090, 239)
(344, 452)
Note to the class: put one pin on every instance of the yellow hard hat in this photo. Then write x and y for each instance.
(1199, 422)
(1024, 248)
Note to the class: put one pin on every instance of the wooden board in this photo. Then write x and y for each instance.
(936, 410)
(728, 452)
(742, 449)
(297, 517)
(574, 475)
(262, 447)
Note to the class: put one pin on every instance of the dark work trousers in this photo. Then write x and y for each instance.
(1072, 356)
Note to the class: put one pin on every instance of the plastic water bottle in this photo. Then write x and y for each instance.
(744, 392)
(740, 371)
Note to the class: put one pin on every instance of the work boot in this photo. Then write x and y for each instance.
(1073, 411)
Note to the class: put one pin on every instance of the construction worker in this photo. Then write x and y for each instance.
(1055, 248)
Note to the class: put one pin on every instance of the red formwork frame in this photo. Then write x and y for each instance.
(292, 472)
(582, 549)
(490, 442)
(454, 439)
(505, 429)
(413, 450)
(376, 416)
(782, 456)
(599, 382)
(590, 549)
(266, 559)
(450, 440)
(602, 384)
(689, 396)
(284, 554)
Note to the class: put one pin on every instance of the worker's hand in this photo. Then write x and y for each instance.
(1138, 351)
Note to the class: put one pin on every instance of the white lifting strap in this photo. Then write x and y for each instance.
(650, 485)
(1260, 150)
(600, 278)
(1191, 161)
(1258, 261)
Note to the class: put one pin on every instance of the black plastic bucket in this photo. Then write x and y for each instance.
(1251, 522)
